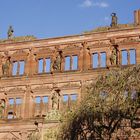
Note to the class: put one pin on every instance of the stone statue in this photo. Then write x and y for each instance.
(6, 66)
(114, 56)
(114, 20)
(2, 107)
(57, 62)
(55, 100)
(10, 32)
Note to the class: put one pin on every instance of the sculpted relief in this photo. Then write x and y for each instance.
(6, 65)
(55, 99)
(57, 60)
(114, 55)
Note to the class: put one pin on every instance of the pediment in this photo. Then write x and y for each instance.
(44, 52)
(20, 54)
(72, 48)
(15, 89)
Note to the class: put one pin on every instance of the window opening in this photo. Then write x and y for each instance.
(94, 60)
(73, 97)
(21, 67)
(65, 98)
(124, 57)
(37, 100)
(15, 68)
(18, 101)
(48, 65)
(67, 63)
(103, 59)
(45, 99)
(74, 62)
(40, 66)
(132, 56)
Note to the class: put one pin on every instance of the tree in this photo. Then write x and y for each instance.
(108, 110)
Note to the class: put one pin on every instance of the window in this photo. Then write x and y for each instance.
(69, 100)
(94, 60)
(21, 67)
(99, 60)
(18, 68)
(44, 65)
(74, 62)
(103, 59)
(132, 56)
(128, 57)
(67, 63)
(65, 98)
(40, 67)
(14, 108)
(71, 62)
(48, 65)
(18, 101)
(124, 57)
(15, 67)
(45, 99)
(37, 100)
(73, 97)
(11, 101)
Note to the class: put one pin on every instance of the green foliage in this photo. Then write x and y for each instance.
(108, 110)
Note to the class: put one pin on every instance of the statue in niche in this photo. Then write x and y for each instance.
(114, 56)
(2, 107)
(6, 66)
(114, 20)
(10, 32)
(55, 99)
(56, 65)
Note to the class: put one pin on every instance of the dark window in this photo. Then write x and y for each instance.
(132, 56)
(94, 60)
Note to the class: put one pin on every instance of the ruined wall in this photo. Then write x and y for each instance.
(41, 78)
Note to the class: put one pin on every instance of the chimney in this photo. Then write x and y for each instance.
(137, 17)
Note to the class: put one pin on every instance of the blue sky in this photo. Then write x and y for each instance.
(52, 18)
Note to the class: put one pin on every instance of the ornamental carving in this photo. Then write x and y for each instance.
(6, 62)
(70, 85)
(114, 55)
(129, 40)
(73, 48)
(19, 55)
(57, 61)
(55, 97)
(44, 52)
